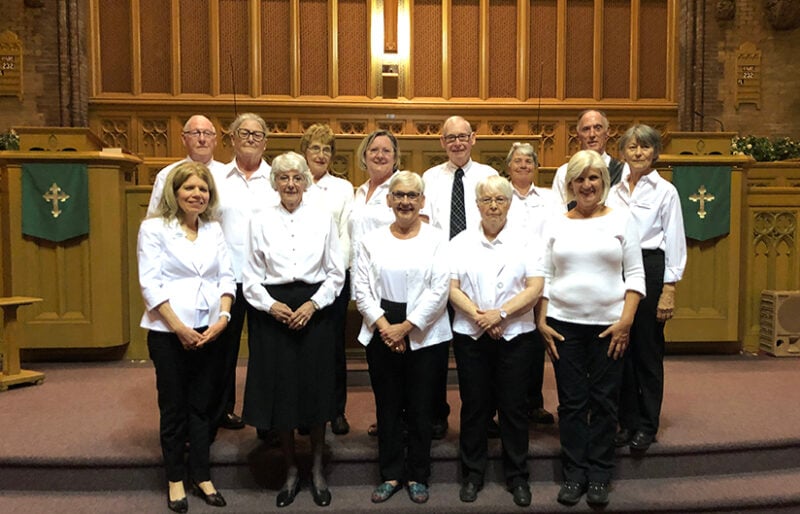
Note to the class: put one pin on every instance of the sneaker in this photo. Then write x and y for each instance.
(570, 492)
(597, 493)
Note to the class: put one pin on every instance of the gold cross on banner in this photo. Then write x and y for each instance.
(702, 197)
(54, 195)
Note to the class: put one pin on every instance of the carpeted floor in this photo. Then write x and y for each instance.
(91, 429)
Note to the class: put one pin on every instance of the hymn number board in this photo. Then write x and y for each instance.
(10, 65)
(748, 75)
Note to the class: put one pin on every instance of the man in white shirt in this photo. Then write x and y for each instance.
(592, 131)
(450, 205)
(199, 138)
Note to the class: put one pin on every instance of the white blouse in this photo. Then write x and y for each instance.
(419, 268)
(336, 195)
(368, 215)
(493, 272)
(286, 247)
(191, 275)
(530, 213)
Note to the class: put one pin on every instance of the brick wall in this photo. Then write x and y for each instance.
(37, 28)
(780, 78)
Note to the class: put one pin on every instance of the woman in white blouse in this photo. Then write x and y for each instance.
(294, 270)
(379, 156)
(655, 206)
(593, 269)
(401, 284)
(187, 285)
(494, 284)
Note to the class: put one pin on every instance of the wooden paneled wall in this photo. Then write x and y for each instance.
(512, 67)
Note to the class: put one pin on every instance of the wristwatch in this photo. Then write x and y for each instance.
(503, 314)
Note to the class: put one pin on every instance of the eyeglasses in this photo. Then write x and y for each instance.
(197, 133)
(451, 138)
(325, 150)
(285, 179)
(487, 200)
(257, 135)
(411, 195)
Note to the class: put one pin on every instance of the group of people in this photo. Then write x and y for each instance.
(504, 269)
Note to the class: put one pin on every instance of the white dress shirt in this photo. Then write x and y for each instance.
(285, 247)
(491, 273)
(656, 208)
(588, 266)
(191, 275)
(419, 269)
(530, 213)
(336, 195)
(368, 215)
(217, 170)
(240, 200)
(439, 192)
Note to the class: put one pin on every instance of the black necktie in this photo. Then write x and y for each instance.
(458, 218)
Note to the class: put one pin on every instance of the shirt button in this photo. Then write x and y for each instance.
(499, 285)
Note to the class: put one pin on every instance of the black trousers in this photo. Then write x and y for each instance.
(403, 382)
(339, 313)
(588, 382)
(493, 374)
(535, 397)
(643, 376)
(224, 398)
(184, 380)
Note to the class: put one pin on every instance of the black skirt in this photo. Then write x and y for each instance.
(290, 373)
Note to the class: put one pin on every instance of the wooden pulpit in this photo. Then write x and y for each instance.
(12, 374)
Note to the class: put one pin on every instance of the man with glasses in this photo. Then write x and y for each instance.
(451, 206)
(199, 138)
(244, 191)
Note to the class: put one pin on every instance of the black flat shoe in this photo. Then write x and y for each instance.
(622, 438)
(522, 495)
(340, 426)
(468, 492)
(214, 499)
(180, 506)
(322, 497)
(286, 496)
(641, 441)
(231, 421)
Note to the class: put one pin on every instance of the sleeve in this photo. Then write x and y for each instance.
(157, 193)
(632, 266)
(364, 286)
(149, 252)
(227, 281)
(344, 231)
(431, 304)
(545, 264)
(255, 267)
(558, 184)
(333, 265)
(674, 238)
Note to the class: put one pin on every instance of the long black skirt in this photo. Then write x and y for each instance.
(290, 373)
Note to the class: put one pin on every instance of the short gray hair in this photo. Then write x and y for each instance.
(496, 182)
(290, 161)
(407, 178)
(245, 116)
(524, 149)
(645, 135)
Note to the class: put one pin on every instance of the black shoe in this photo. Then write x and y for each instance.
(181, 505)
(597, 493)
(493, 430)
(641, 441)
(522, 495)
(322, 497)
(213, 499)
(231, 421)
(469, 492)
(286, 496)
(439, 429)
(622, 438)
(340, 426)
(570, 492)
(541, 417)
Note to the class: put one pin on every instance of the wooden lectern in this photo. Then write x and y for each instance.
(12, 374)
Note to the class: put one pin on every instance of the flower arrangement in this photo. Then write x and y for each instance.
(764, 149)
(9, 140)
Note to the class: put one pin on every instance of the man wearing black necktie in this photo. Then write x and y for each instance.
(592, 132)
(450, 205)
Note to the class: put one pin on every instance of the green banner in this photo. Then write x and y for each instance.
(705, 193)
(55, 201)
